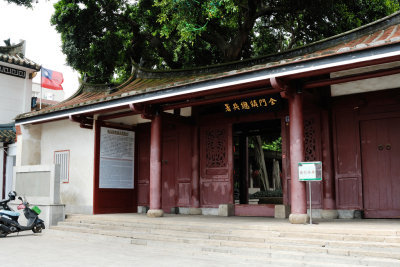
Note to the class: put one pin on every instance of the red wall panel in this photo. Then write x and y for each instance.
(347, 159)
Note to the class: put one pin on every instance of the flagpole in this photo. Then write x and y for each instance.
(41, 77)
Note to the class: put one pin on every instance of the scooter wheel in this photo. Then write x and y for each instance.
(37, 229)
(2, 234)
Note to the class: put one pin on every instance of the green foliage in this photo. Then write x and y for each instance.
(26, 3)
(104, 39)
(268, 193)
(275, 145)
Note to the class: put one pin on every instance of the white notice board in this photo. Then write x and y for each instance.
(117, 154)
(310, 171)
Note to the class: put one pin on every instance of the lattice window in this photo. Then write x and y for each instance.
(216, 148)
(310, 140)
(62, 158)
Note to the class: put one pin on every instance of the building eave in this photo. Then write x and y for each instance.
(336, 62)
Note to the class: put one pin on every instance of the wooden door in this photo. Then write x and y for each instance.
(380, 151)
(216, 165)
(169, 171)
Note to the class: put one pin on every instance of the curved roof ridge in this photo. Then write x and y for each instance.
(13, 49)
(15, 54)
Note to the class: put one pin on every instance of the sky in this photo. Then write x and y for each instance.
(43, 43)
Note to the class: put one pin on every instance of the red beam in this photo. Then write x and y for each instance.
(116, 115)
(220, 99)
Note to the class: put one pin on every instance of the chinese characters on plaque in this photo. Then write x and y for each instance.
(310, 171)
(253, 104)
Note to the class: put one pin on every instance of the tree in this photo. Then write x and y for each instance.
(105, 39)
(27, 3)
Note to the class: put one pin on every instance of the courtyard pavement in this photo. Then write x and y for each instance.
(56, 248)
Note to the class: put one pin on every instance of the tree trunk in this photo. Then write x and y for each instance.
(259, 157)
(276, 175)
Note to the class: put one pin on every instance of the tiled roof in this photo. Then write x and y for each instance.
(14, 54)
(7, 133)
(374, 35)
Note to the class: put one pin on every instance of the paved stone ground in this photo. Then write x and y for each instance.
(52, 248)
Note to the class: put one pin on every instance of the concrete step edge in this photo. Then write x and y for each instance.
(235, 244)
(260, 227)
(335, 240)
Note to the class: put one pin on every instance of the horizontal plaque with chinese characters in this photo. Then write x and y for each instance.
(253, 104)
(12, 72)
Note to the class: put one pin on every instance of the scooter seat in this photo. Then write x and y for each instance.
(10, 213)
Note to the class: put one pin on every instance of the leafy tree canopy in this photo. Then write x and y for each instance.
(27, 3)
(105, 39)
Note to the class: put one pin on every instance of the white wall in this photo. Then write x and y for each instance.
(28, 145)
(56, 95)
(77, 195)
(15, 95)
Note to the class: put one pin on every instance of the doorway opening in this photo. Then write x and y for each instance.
(258, 162)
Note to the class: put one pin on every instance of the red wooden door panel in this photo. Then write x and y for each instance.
(216, 165)
(380, 150)
(169, 170)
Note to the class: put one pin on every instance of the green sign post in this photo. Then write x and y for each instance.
(309, 172)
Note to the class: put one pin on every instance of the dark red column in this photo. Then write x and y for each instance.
(195, 208)
(155, 168)
(328, 180)
(298, 189)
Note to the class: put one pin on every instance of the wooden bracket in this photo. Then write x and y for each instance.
(147, 112)
(287, 88)
(85, 122)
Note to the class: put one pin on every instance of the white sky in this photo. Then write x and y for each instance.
(43, 43)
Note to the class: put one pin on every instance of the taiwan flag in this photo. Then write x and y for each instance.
(52, 79)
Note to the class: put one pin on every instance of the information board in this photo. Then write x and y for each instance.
(310, 171)
(117, 150)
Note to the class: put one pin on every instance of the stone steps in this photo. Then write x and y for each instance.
(272, 237)
(247, 256)
(289, 245)
(377, 235)
(338, 248)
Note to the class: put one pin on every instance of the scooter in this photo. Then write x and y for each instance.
(9, 218)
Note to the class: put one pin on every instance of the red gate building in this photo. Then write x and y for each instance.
(198, 132)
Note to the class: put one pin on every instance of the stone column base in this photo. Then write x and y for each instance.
(299, 218)
(155, 213)
(195, 211)
(329, 214)
(226, 210)
(281, 211)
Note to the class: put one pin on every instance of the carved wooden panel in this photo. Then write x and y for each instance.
(216, 146)
(310, 139)
(312, 151)
(216, 165)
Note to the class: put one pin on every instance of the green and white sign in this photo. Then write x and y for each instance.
(310, 171)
